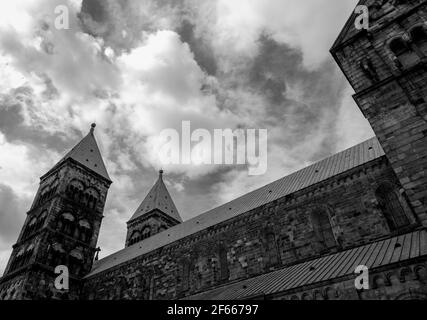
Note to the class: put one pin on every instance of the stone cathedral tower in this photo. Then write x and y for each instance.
(61, 227)
(156, 213)
(386, 65)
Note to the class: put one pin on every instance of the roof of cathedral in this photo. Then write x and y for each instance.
(158, 198)
(373, 255)
(87, 153)
(320, 171)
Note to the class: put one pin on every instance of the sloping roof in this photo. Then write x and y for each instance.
(374, 255)
(158, 198)
(87, 153)
(320, 171)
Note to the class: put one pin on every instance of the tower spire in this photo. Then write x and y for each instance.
(156, 213)
(160, 199)
(87, 153)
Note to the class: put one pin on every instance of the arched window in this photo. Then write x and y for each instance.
(17, 261)
(30, 228)
(403, 53)
(43, 196)
(146, 233)
(76, 260)
(28, 254)
(91, 196)
(135, 237)
(41, 220)
(271, 255)
(185, 275)
(391, 206)
(85, 230)
(75, 190)
(223, 263)
(419, 37)
(56, 255)
(66, 224)
(322, 228)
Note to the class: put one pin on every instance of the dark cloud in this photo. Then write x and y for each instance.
(118, 22)
(203, 51)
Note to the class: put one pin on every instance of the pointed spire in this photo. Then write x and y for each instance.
(158, 198)
(87, 153)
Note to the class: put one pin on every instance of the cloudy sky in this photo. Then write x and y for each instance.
(138, 67)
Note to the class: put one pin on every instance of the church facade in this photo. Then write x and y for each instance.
(300, 237)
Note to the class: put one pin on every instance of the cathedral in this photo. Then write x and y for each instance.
(301, 237)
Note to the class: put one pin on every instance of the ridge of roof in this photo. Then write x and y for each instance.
(338, 163)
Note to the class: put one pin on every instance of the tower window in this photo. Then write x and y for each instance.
(76, 260)
(136, 237)
(85, 230)
(403, 53)
(391, 206)
(30, 228)
(56, 255)
(146, 233)
(66, 224)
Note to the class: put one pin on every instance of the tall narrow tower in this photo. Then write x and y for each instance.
(386, 64)
(156, 213)
(61, 227)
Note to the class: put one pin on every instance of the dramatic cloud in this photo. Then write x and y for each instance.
(138, 67)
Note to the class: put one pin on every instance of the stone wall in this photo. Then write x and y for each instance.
(391, 91)
(266, 238)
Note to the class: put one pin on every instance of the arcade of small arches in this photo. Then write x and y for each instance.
(47, 193)
(78, 229)
(35, 224)
(144, 233)
(22, 257)
(87, 196)
(138, 236)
